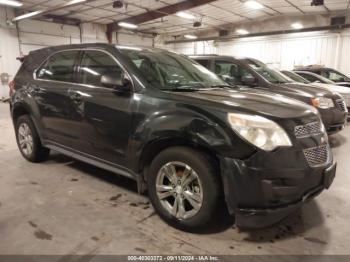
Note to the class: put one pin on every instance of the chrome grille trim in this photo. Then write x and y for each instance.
(310, 129)
(318, 156)
(340, 103)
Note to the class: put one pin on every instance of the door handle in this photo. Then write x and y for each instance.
(75, 96)
(35, 89)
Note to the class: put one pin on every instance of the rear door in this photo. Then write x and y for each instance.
(106, 115)
(50, 91)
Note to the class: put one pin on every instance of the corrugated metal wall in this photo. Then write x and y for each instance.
(283, 52)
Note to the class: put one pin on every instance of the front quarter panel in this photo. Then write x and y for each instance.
(176, 120)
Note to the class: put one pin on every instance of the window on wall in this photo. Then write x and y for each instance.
(59, 67)
(96, 64)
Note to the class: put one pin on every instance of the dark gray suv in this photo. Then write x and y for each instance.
(253, 73)
(187, 138)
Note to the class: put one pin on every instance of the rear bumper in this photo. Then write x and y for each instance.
(259, 197)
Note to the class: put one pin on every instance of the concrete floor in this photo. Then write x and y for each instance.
(63, 206)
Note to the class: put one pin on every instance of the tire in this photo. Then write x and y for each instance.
(207, 186)
(36, 152)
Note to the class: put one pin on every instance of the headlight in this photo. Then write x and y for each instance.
(322, 102)
(259, 131)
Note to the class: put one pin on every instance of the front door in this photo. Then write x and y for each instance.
(106, 114)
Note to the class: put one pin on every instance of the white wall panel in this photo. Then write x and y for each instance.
(344, 61)
(38, 34)
(283, 52)
(133, 39)
(8, 50)
(287, 51)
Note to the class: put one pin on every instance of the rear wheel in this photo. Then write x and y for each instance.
(28, 140)
(183, 188)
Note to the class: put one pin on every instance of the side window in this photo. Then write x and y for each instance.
(59, 67)
(230, 72)
(334, 76)
(203, 62)
(311, 78)
(96, 64)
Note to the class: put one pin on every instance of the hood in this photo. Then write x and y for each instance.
(254, 102)
(308, 90)
(334, 88)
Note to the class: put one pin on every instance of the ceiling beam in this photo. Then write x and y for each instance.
(159, 13)
(269, 33)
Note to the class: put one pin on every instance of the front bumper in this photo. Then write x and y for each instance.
(333, 119)
(257, 218)
(259, 196)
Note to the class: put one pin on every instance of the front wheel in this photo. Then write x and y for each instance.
(184, 188)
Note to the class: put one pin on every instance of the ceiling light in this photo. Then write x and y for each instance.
(127, 25)
(190, 36)
(185, 15)
(26, 15)
(75, 2)
(254, 4)
(297, 26)
(242, 31)
(10, 2)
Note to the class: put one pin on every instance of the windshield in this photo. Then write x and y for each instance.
(334, 75)
(296, 77)
(269, 74)
(169, 71)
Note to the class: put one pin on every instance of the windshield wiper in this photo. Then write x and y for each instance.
(178, 89)
(224, 86)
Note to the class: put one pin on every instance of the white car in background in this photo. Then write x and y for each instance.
(319, 81)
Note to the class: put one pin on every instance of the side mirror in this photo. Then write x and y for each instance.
(249, 80)
(117, 82)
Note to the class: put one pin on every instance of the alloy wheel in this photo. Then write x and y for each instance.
(25, 139)
(179, 190)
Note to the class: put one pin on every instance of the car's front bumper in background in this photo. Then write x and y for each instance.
(260, 194)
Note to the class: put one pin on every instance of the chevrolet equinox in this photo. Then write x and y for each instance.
(165, 121)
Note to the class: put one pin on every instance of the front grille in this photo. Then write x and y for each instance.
(347, 100)
(340, 103)
(317, 156)
(311, 129)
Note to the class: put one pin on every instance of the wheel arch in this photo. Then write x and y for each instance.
(152, 149)
(19, 110)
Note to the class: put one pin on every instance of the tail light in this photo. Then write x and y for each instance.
(12, 87)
